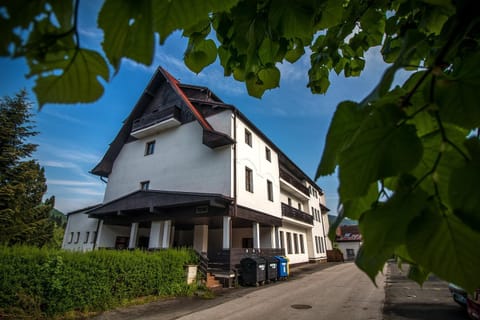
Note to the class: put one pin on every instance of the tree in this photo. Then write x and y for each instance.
(407, 156)
(24, 218)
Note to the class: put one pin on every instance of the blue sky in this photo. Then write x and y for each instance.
(73, 138)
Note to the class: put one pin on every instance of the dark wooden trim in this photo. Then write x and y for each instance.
(296, 214)
(155, 117)
(294, 182)
(257, 216)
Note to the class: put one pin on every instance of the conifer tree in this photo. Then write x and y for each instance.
(24, 217)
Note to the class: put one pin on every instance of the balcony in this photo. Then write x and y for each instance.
(291, 212)
(155, 122)
(295, 183)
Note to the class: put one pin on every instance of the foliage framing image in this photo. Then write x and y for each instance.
(408, 156)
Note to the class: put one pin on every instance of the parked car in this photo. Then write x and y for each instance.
(458, 294)
(473, 305)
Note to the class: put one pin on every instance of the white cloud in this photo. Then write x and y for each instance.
(63, 116)
(58, 164)
(73, 183)
(87, 192)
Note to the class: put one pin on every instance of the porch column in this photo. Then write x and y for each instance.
(166, 233)
(226, 232)
(200, 238)
(99, 233)
(155, 235)
(133, 235)
(273, 237)
(256, 235)
(277, 238)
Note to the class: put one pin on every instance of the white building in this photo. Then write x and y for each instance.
(186, 169)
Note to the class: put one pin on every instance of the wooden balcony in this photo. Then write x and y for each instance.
(156, 121)
(294, 182)
(291, 212)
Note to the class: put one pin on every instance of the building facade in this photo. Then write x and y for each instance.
(187, 169)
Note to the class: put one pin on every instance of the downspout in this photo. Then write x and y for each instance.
(235, 163)
(323, 229)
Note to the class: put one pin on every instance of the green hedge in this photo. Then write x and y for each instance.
(47, 282)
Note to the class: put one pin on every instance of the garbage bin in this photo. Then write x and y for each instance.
(271, 269)
(282, 267)
(253, 270)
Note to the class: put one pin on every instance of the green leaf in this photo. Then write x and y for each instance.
(268, 51)
(385, 228)
(200, 54)
(458, 94)
(128, 31)
(267, 78)
(463, 190)
(379, 149)
(183, 14)
(331, 15)
(346, 121)
(418, 274)
(77, 83)
(295, 51)
(292, 19)
(356, 207)
(445, 245)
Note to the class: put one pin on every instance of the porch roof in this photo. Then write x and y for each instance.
(150, 200)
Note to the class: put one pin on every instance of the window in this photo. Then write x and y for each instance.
(248, 179)
(289, 202)
(94, 238)
(150, 148)
(268, 154)
(71, 237)
(302, 246)
(87, 234)
(78, 237)
(270, 190)
(317, 246)
(282, 241)
(295, 243)
(248, 137)
(289, 243)
(144, 185)
(321, 245)
(299, 206)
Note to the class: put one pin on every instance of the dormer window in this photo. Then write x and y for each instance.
(149, 148)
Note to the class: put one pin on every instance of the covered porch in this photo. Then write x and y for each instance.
(209, 223)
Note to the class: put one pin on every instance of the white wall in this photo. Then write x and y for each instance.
(180, 163)
(292, 229)
(254, 158)
(75, 237)
(343, 246)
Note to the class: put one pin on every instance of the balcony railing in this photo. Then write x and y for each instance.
(291, 212)
(294, 182)
(156, 117)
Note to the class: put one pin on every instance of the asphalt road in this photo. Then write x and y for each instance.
(314, 292)
(339, 292)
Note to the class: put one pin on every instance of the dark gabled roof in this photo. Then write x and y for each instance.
(84, 209)
(348, 233)
(211, 138)
(150, 199)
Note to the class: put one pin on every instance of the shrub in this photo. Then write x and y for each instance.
(45, 282)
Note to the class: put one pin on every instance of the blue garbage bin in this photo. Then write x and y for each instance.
(282, 268)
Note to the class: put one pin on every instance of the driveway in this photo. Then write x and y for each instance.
(315, 292)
